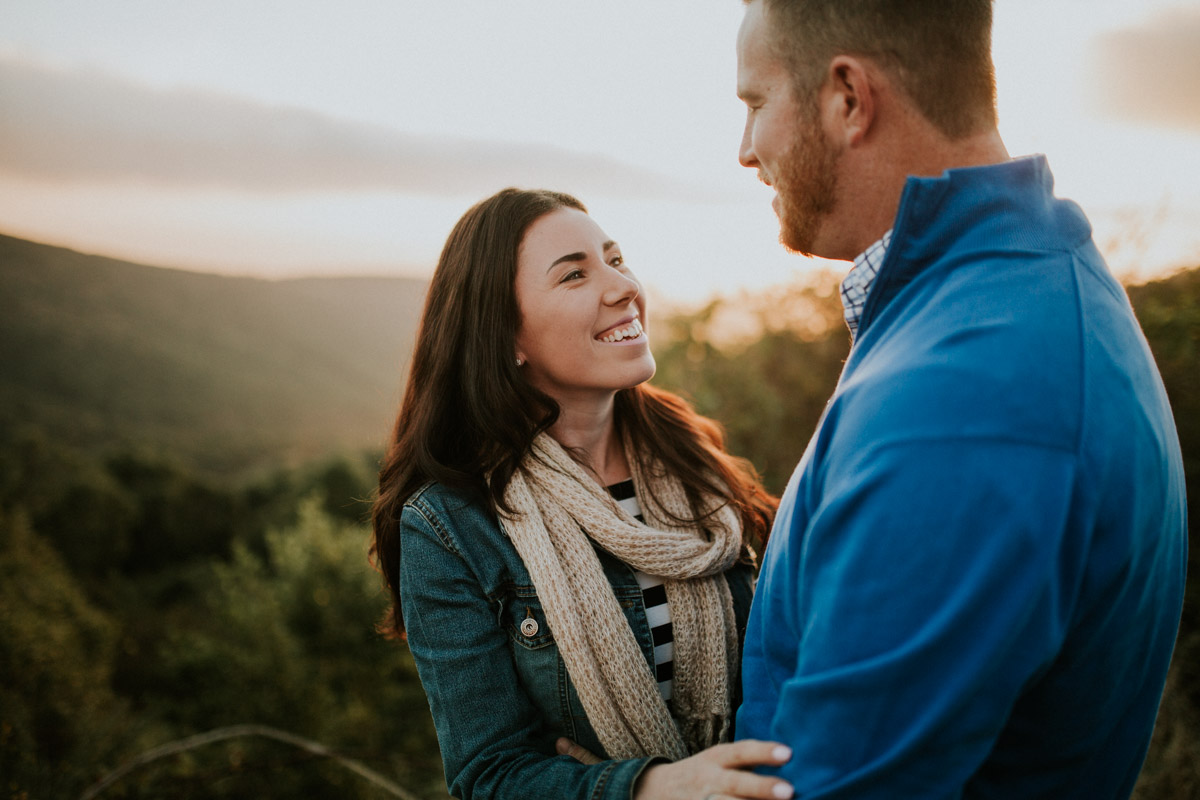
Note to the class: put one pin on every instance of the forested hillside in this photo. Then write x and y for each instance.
(223, 374)
(186, 462)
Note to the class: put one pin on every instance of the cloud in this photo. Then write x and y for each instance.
(1151, 73)
(93, 127)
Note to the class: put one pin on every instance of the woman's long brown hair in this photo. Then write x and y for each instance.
(467, 411)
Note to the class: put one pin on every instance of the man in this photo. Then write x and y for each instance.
(975, 578)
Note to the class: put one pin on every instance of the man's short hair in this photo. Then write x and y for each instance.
(937, 51)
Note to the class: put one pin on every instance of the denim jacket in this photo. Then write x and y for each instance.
(497, 686)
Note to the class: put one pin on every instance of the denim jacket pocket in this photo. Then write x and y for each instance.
(535, 655)
(540, 667)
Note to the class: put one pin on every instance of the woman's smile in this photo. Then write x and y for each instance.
(625, 331)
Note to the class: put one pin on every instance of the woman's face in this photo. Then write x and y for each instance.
(582, 313)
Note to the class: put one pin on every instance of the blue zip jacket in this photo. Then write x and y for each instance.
(976, 575)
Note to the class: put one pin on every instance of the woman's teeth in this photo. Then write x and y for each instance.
(630, 331)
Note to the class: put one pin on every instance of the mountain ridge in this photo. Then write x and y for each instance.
(224, 373)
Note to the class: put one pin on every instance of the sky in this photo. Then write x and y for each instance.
(347, 136)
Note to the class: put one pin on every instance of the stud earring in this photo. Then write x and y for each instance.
(520, 361)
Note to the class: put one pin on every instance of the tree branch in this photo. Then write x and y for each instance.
(233, 732)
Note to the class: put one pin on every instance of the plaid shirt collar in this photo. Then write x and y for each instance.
(858, 282)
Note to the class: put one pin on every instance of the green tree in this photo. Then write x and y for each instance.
(286, 640)
(763, 366)
(1169, 311)
(71, 499)
(59, 718)
(179, 516)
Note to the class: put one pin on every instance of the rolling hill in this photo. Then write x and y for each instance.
(224, 374)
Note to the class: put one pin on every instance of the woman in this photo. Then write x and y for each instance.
(544, 618)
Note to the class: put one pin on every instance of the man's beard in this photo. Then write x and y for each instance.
(807, 187)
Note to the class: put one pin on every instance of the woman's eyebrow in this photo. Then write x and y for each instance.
(580, 256)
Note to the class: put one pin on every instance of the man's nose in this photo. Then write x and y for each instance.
(746, 154)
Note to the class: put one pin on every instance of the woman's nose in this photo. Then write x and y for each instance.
(622, 288)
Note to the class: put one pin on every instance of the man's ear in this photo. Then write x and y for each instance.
(849, 99)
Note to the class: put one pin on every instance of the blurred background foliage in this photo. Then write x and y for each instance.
(146, 596)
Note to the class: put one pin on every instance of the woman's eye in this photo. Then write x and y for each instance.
(617, 261)
(573, 275)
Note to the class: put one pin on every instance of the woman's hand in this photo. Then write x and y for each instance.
(718, 773)
(567, 747)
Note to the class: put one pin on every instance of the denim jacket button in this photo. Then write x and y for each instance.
(529, 627)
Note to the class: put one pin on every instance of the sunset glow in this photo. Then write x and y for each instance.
(318, 137)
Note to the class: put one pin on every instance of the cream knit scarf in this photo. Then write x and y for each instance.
(557, 508)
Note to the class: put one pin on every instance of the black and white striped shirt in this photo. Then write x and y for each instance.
(654, 595)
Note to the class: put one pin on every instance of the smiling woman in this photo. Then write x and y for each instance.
(568, 550)
(581, 331)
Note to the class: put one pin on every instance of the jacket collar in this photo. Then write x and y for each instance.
(974, 210)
